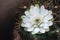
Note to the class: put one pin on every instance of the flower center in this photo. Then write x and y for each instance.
(37, 21)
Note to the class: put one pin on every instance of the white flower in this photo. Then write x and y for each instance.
(37, 19)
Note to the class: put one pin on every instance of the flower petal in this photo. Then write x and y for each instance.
(45, 26)
(42, 30)
(48, 17)
(47, 30)
(50, 23)
(26, 20)
(32, 6)
(27, 25)
(42, 8)
(36, 30)
(23, 16)
(30, 29)
(22, 25)
(43, 11)
(34, 10)
(50, 12)
(27, 13)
